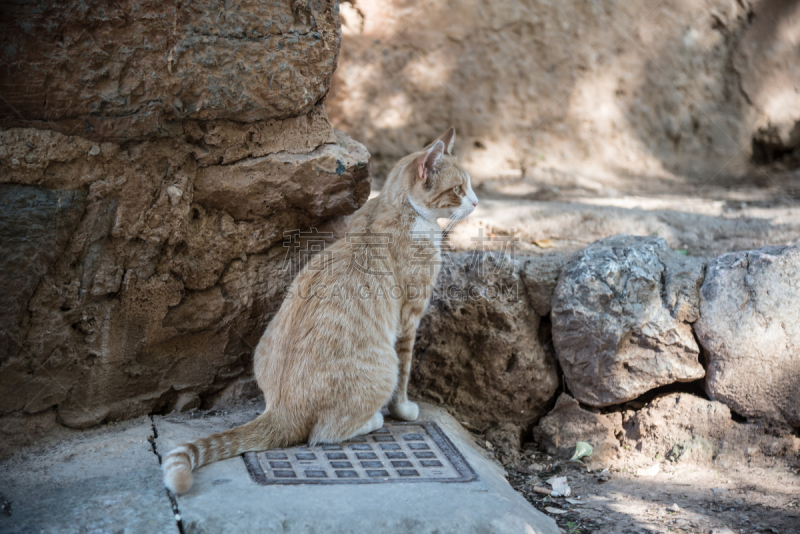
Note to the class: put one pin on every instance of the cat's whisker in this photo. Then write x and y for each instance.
(454, 218)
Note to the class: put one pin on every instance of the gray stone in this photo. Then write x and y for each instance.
(540, 276)
(225, 499)
(478, 347)
(35, 225)
(621, 314)
(105, 480)
(749, 327)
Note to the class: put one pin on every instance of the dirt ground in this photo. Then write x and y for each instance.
(701, 218)
(547, 210)
(681, 498)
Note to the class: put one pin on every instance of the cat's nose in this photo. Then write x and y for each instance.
(475, 203)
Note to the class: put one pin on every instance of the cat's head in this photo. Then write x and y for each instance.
(437, 185)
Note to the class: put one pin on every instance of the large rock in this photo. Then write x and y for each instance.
(478, 348)
(621, 319)
(155, 296)
(154, 158)
(117, 71)
(749, 327)
(568, 423)
(676, 427)
(331, 180)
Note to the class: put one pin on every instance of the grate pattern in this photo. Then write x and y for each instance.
(398, 452)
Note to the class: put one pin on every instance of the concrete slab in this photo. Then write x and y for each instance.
(226, 499)
(103, 480)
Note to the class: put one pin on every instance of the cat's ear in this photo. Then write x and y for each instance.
(429, 161)
(449, 140)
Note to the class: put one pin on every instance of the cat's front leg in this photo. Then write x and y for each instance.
(399, 405)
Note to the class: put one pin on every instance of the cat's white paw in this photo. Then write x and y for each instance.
(407, 411)
(375, 422)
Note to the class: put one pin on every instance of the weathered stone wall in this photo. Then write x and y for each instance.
(609, 331)
(151, 158)
(689, 87)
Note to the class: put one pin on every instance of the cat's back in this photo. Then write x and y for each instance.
(343, 292)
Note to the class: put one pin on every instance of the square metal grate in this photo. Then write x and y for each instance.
(398, 452)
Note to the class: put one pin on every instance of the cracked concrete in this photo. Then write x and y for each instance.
(173, 501)
(106, 479)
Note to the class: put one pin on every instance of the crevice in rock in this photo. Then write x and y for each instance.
(545, 335)
(172, 499)
(163, 403)
(695, 388)
(702, 356)
(250, 158)
(256, 38)
(737, 418)
(545, 338)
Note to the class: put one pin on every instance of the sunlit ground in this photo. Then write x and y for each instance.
(709, 498)
(700, 219)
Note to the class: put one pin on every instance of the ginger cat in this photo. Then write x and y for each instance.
(328, 365)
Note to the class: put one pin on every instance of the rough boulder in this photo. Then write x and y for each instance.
(621, 319)
(478, 348)
(749, 327)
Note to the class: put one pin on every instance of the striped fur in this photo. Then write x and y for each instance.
(327, 364)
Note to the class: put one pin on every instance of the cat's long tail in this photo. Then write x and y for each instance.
(259, 434)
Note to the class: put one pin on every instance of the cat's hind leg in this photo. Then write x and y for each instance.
(374, 423)
(337, 433)
(337, 429)
(404, 409)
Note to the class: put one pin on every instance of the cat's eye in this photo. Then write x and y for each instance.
(457, 190)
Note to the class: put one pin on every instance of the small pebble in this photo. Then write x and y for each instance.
(174, 194)
(675, 508)
(95, 150)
